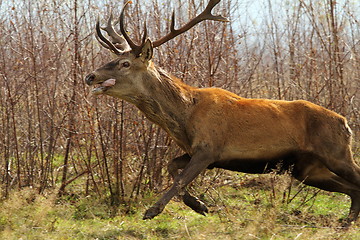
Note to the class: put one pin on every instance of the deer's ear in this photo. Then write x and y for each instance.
(146, 52)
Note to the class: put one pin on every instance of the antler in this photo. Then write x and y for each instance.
(135, 48)
(205, 15)
(104, 41)
(117, 40)
(118, 44)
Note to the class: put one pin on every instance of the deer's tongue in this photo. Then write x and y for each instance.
(108, 83)
(104, 86)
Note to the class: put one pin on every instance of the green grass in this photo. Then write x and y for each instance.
(256, 208)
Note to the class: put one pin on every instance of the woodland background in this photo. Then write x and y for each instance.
(55, 135)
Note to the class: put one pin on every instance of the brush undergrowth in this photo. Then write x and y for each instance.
(255, 207)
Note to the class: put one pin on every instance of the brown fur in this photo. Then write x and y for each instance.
(235, 133)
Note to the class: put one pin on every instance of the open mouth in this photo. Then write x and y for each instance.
(104, 86)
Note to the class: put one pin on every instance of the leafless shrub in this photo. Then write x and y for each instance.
(54, 133)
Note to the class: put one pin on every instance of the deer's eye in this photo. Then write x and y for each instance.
(125, 64)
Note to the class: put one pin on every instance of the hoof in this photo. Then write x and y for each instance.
(347, 223)
(195, 204)
(151, 213)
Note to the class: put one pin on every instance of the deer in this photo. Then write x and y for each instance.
(219, 129)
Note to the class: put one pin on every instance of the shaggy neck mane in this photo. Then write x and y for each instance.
(173, 88)
(166, 102)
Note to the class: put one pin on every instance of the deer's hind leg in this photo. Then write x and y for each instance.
(341, 162)
(194, 203)
(314, 173)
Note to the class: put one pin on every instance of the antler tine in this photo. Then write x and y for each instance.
(123, 32)
(145, 34)
(172, 25)
(116, 39)
(101, 42)
(104, 40)
(205, 15)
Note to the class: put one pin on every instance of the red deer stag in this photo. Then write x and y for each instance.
(217, 128)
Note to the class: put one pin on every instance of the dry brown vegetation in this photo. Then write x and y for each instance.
(54, 134)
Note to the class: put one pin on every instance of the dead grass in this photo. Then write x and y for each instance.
(247, 207)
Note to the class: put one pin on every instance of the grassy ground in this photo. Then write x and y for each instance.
(257, 208)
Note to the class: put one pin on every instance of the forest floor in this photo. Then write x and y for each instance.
(258, 207)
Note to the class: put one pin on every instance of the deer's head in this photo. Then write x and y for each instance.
(127, 75)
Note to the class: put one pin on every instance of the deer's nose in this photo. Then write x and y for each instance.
(89, 78)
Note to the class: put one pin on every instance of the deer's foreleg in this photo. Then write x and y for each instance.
(198, 162)
(193, 202)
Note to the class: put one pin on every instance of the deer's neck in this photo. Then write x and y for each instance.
(166, 102)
